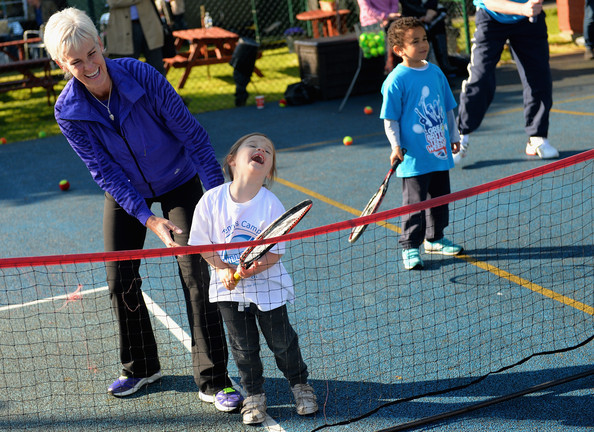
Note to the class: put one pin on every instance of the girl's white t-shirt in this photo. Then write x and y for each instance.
(217, 220)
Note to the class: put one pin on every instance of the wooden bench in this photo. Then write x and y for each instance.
(181, 61)
(29, 80)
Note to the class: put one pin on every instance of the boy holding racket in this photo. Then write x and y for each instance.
(418, 116)
(239, 211)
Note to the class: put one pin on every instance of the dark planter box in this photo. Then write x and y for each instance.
(329, 64)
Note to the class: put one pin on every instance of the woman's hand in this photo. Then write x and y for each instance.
(163, 228)
(227, 277)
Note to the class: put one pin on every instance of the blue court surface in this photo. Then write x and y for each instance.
(38, 219)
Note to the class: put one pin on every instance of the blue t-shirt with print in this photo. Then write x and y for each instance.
(419, 99)
(502, 18)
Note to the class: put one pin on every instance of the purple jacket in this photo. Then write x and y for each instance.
(160, 145)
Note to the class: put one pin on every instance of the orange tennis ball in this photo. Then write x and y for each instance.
(368, 110)
(3, 140)
(64, 185)
(347, 140)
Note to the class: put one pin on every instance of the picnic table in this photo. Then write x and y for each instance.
(333, 22)
(27, 68)
(207, 46)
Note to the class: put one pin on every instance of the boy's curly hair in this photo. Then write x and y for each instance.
(399, 27)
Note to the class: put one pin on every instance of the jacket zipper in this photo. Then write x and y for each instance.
(138, 165)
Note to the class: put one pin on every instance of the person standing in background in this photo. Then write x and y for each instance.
(589, 29)
(135, 28)
(376, 15)
(522, 25)
(174, 12)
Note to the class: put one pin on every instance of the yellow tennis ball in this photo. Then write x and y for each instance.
(347, 140)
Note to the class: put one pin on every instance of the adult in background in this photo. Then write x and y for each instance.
(174, 11)
(142, 146)
(589, 29)
(135, 28)
(433, 17)
(376, 15)
(521, 23)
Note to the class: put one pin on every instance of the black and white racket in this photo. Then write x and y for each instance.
(281, 226)
(374, 202)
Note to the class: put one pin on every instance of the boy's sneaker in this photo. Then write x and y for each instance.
(305, 399)
(464, 144)
(226, 400)
(254, 409)
(412, 259)
(442, 246)
(538, 146)
(125, 386)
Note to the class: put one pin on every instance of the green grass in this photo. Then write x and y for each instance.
(25, 113)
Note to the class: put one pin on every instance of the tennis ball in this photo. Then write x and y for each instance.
(42, 134)
(347, 140)
(64, 185)
(368, 110)
(3, 140)
(282, 103)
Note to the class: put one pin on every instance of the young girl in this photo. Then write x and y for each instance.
(239, 211)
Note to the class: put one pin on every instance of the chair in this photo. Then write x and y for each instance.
(33, 50)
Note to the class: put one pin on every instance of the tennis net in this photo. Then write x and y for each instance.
(373, 334)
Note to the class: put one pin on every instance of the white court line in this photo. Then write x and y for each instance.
(270, 424)
(50, 299)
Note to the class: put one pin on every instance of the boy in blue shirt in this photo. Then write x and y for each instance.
(521, 23)
(418, 116)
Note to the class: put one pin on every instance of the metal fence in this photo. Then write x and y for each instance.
(274, 26)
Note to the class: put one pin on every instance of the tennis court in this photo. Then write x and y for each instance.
(39, 219)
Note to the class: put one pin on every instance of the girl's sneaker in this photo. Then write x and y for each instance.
(254, 409)
(305, 399)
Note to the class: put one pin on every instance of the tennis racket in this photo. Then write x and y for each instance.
(374, 202)
(281, 226)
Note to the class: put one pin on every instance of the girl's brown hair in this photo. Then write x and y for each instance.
(233, 151)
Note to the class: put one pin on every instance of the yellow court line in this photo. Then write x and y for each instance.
(480, 264)
(571, 112)
(578, 99)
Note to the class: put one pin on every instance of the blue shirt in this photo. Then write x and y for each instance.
(419, 100)
(502, 18)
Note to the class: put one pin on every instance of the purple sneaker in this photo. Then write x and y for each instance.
(125, 386)
(228, 399)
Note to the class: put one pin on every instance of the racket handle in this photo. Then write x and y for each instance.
(236, 277)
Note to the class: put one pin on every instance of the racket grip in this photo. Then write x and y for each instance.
(236, 277)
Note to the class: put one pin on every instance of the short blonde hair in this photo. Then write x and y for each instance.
(233, 151)
(68, 29)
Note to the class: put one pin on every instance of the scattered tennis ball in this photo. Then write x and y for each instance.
(64, 185)
(347, 140)
(282, 103)
(42, 134)
(368, 110)
(3, 140)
